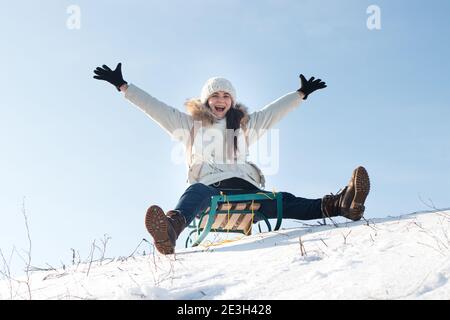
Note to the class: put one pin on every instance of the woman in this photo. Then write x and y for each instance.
(224, 166)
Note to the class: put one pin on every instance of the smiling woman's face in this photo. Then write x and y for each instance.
(220, 102)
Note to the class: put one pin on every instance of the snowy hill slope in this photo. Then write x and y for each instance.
(405, 257)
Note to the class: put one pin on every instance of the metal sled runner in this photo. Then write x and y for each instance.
(233, 213)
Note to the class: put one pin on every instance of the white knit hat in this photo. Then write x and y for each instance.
(217, 84)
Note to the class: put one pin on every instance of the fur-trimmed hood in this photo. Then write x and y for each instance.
(201, 112)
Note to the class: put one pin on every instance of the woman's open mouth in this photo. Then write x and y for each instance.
(219, 109)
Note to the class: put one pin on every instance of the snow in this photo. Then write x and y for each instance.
(405, 257)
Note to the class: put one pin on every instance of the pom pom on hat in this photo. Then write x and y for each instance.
(217, 84)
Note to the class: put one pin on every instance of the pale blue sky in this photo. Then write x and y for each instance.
(89, 163)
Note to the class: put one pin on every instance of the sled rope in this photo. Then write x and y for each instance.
(229, 207)
(253, 214)
(215, 244)
(265, 194)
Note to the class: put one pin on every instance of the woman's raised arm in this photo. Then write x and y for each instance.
(267, 117)
(169, 118)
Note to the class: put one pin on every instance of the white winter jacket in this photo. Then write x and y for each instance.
(205, 156)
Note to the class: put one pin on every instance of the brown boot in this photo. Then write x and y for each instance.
(350, 201)
(164, 229)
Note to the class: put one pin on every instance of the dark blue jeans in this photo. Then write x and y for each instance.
(197, 198)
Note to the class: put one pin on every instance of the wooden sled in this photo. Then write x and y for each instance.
(233, 213)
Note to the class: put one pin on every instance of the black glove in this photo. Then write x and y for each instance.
(311, 85)
(113, 77)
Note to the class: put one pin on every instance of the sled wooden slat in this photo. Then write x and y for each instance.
(232, 222)
(246, 224)
(220, 219)
(229, 222)
(226, 206)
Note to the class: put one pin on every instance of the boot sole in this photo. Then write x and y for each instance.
(362, 188)
(157, 224)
